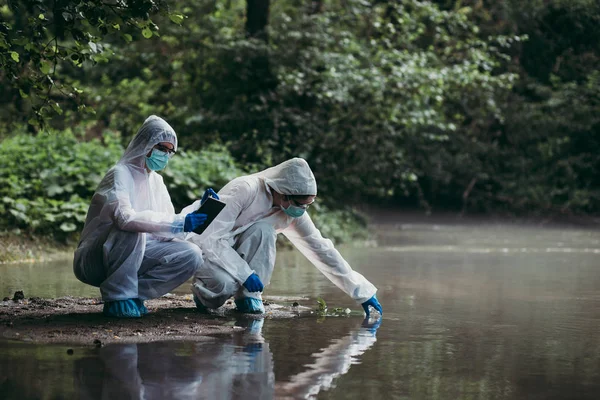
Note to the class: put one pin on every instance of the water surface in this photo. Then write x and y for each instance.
(496, 312)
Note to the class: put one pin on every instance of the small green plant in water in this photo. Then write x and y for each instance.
(323, 311)
(321, 306)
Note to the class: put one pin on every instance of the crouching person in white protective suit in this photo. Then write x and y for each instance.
(132, 246)
(239, 245)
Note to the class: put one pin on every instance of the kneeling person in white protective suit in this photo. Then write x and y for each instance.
(132, 243)
(239, 245)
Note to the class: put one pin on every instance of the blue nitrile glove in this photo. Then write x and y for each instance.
(209, 193)
(373, 302)
(253, 284)
(193, 221)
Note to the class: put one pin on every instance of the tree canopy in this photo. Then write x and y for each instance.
(453, 104)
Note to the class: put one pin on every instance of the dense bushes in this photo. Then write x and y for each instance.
(47, 181)
(542, 156)
(476, 105)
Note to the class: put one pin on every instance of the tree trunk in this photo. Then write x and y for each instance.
(257, 18)
(316, 7)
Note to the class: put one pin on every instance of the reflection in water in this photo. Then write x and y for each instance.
(489, 250)
(242, 368)
(330, 363)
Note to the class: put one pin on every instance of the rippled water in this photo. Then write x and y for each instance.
(497, 312)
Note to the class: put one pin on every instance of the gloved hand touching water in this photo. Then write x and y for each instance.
(209, 193)
(253, 284)
(193, 221)
(373, 302)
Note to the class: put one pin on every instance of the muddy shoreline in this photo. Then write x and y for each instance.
(79, 321)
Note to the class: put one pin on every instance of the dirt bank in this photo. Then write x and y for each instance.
(76, 320)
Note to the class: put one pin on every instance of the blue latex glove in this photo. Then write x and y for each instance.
(209, 193)
(193, 221)
(253, 284)
(373, 302)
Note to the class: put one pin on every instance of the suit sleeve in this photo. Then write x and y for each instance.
(320, 251)
(128, 219)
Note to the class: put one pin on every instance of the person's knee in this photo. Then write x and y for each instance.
(264, 230)
(123, 239)
(194, 258)
(216, 279)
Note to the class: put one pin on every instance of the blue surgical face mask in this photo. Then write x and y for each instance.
(157, 160)
(293, 211)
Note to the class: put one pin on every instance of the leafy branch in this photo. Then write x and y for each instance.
(42, 41)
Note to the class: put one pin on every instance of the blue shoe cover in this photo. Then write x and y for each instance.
(121, 309)
(250, 305)
(201, 307)
(141, 307)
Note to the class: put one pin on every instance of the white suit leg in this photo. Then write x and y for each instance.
(256, 245)
(166, 265)
(213, 285)
(122, 253)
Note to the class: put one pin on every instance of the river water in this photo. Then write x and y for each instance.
(470, 312)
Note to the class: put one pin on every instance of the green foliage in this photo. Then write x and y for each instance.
(46, 181)
(453, 104)
(190, 173)
(321, 305)
(43, 42)
(542, 156)
(340, 225)
(323, 311)
(559, 167)
(350, 82)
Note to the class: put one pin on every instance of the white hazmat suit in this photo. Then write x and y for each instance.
(241, 240)
(132, 243)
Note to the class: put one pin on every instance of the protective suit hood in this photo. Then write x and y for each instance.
(291, 177)
(153, 131)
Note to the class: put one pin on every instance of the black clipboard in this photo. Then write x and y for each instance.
(211, 207)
